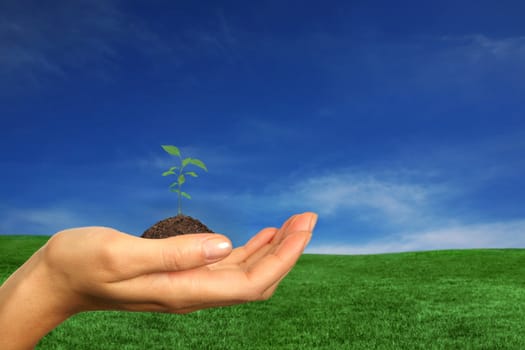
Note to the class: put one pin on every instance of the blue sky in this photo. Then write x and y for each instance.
(401, 124)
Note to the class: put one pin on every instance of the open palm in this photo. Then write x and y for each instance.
(113, 270)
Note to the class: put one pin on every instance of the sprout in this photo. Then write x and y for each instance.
(180, 173)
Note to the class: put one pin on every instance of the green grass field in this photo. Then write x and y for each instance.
(464, 299)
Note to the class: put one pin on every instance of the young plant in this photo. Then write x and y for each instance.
(180, 173)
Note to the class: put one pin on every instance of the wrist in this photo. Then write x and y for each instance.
(31, 305)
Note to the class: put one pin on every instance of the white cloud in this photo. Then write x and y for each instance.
(54, 217)
(217, 158)
(401, 204)
(396, 203)
(505, 234)
(479, 44)
(36, 220)
(343, 197)
(336, 193)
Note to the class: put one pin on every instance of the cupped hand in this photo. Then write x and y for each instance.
(99, 268)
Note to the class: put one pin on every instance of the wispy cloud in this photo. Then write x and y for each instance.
(342, 199)
(457, 66)
(351, 205)
(336, 192)
(478, 45)
(264, 131)
(54, 216)
(39, 41)
(464, 64)
(505, 234)
(370, 198)
(36, 43)
(382, 210)
(405, 212)
(219, 158)
(37, 220)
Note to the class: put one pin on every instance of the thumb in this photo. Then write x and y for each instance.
(176, 253)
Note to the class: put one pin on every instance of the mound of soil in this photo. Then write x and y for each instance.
(174, 226)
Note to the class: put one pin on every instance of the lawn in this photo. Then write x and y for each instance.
(457, 299)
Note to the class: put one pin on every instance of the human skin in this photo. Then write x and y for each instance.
(100, 268)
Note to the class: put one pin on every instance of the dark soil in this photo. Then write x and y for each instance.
(174, 226)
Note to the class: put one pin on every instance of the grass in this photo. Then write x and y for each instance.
(463, 299)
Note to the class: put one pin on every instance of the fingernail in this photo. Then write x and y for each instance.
(301, 223)
(216, 248)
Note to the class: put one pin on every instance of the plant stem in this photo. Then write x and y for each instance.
(180, 202)
(180, 193)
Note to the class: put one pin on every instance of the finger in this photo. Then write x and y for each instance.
(273, 267)
(272, 244)
(301, 222)
(259, 240)
(254, 244)
(258, 255)
(226, 284)
(280, 234)
(269, 292)
(222, 286)
(136, 256)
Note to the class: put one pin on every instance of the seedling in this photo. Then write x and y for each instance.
(179, 172)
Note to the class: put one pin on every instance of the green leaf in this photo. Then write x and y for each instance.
(198, 163)
(174, 151)
(184, 194)
(191, 173)
(182, 179)
(170, 171)
(176, 191)
(176, 183)
(186, 161)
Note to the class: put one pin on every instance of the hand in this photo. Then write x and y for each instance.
(107, 269)
(98, 268)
